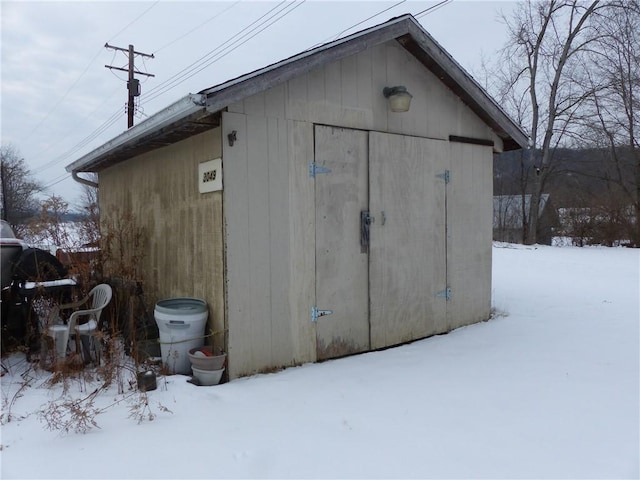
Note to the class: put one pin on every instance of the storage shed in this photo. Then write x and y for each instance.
(316, 221)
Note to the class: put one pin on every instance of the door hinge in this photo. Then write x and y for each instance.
(446, 293)
(315, 313)
(314, 169)
(446, 176)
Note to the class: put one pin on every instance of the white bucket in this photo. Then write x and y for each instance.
(181, 323)
(207, 377)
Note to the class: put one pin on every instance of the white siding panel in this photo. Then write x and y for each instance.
(297, 104)
(316, 88)
(349, 83)
(282, 335)
(236, 213)
(255, 104)
(333, 84)
(377, 101)
(259, 294)
(275, 101)
(302, 264)
(267, 329)
(470, 231)
(364, 75)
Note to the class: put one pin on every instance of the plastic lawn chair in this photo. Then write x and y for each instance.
(85, 333)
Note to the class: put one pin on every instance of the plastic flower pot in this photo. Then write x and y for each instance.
(204, 358)
(207, 377)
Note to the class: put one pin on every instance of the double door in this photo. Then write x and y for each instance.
(380, 223)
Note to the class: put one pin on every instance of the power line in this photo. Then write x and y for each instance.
(238, 45)
(338, 35)
(72, 129)
(222, 49)
(187, 70)
(134, 20)
(422, 13)
(57, 180)
(240, 38)
(57, 104)
(373, 16)
(432, 8)
(103, 127)
(60, 100)
(197, 27)
(114, 117)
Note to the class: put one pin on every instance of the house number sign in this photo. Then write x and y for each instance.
(210, 176)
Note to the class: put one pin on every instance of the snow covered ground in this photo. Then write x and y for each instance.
(549, 388)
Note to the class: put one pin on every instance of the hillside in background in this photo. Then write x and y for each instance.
(580, 176)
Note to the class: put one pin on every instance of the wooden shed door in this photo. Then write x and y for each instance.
(342, 270)
(394, 290)
(408, 257)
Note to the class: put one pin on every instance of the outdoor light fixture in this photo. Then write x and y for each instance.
(399, 98)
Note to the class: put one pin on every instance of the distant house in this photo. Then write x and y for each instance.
(317, 217)
(508, 218)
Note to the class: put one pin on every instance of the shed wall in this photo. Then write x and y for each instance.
(156, 194)
(469, 234)
(267, 243)
(269, 197)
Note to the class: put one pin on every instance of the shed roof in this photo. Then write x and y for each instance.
(196, 113)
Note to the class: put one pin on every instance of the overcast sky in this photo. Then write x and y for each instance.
(58, 101)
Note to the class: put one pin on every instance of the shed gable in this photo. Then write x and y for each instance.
(348, 93)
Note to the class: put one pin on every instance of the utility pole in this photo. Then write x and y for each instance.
(133, 84)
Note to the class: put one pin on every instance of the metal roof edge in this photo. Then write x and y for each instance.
(177, 111)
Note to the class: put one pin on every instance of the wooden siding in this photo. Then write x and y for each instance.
(182, 228)
(469, 231)
(264, 285)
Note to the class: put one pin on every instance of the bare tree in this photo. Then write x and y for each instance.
(49, 227)
(19, 189)
(546, 41)
(612, 114)
(90, 224)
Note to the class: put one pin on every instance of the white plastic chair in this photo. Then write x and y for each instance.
(99, 296)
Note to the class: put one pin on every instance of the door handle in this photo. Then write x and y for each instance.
(365, 221)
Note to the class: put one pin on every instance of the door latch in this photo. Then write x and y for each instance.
(366, 219)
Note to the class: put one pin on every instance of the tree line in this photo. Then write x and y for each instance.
(585, 199)
(569, 73)
(43, 218)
